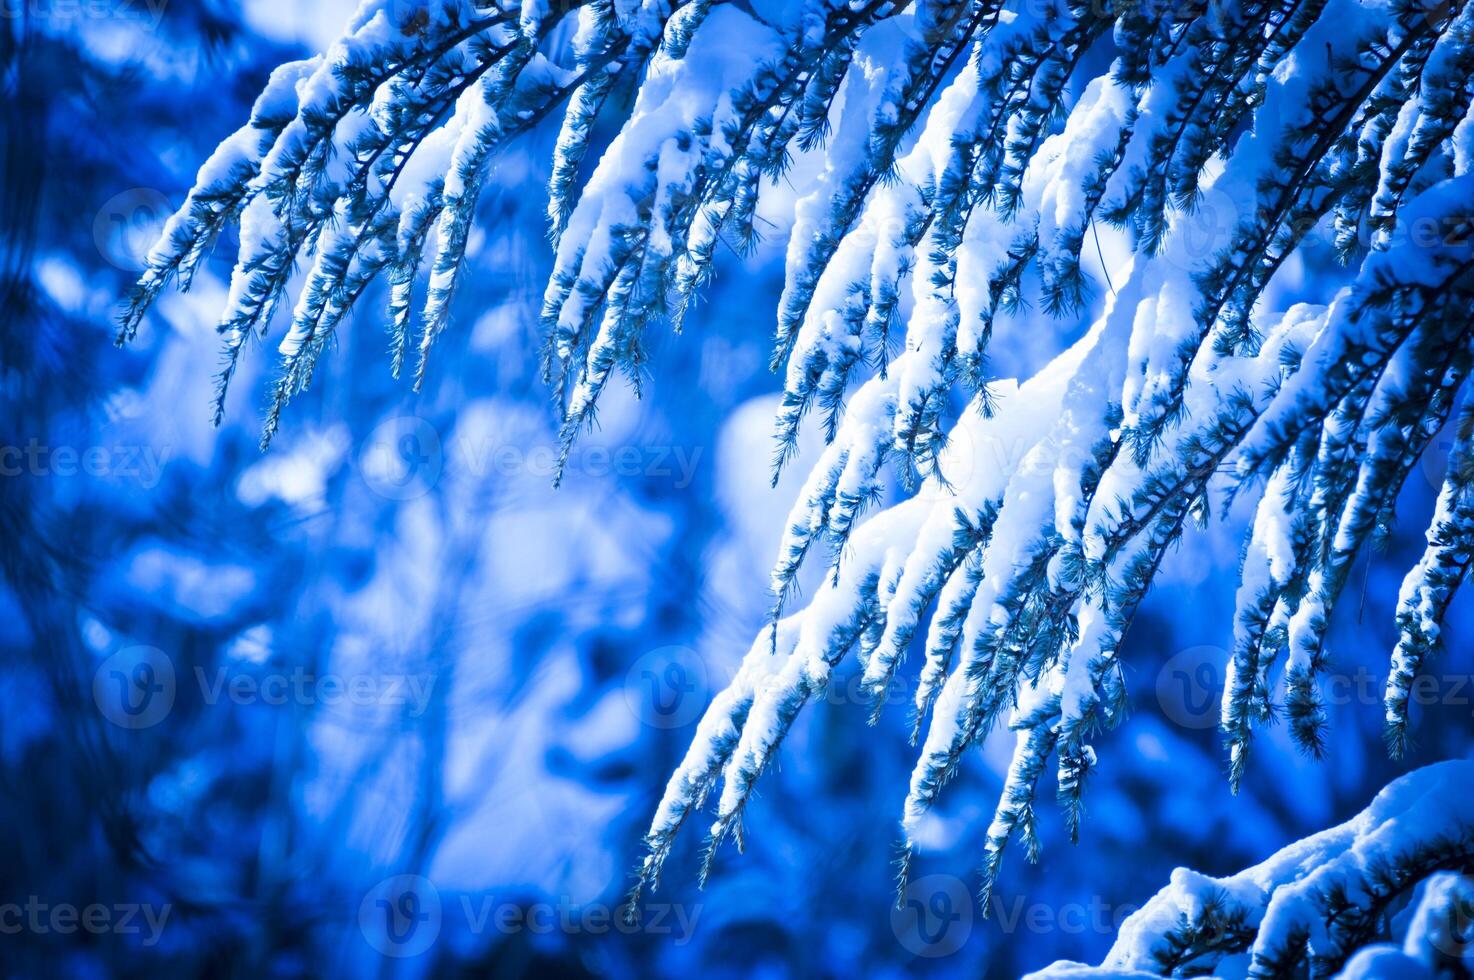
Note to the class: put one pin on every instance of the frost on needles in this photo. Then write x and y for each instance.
(968, 153)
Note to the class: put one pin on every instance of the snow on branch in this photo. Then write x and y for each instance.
(1318, 906)
(967, 153)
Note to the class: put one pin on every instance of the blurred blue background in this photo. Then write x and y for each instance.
(382, 702)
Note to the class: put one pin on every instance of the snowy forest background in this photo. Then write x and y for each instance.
(445, 668)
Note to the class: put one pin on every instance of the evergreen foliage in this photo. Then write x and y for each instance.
(968, 153)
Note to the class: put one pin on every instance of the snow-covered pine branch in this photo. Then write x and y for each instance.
(965, 154)
(1319, 907)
